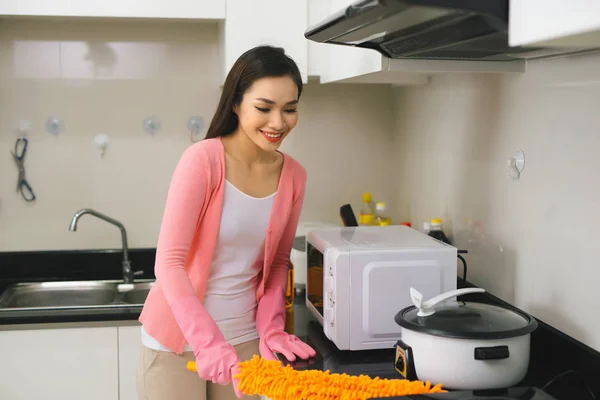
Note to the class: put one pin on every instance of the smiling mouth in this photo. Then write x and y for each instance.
(271, 136)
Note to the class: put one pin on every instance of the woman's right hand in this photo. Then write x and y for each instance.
(216, 363)
(215, 358)
(235, 382)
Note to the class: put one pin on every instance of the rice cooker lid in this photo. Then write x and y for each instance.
(468, 321)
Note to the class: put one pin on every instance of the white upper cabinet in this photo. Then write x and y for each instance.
(192, 9)
(318, 53)
(349, 62)
(554, 23)
(271, 22)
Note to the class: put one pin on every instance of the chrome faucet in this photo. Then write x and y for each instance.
(128, 273)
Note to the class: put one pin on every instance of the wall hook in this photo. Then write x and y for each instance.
(152, 124)
(55, 125)
(516, 164)
(195, 125)
(101, 143)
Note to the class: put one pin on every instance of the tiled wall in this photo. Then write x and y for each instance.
(105, 78)
(533, 241)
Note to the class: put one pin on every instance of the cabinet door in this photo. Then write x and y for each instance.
(558, 23)
(318, 53)
(348, 62)
(59, 364)
(129, 350)
(213, 9)
(272, 22)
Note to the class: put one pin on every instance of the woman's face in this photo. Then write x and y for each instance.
(269, 111)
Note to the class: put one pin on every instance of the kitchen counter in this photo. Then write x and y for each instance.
(49, 315)
(552, 352)
(372, 362)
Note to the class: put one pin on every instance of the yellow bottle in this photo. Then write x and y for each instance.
(381, 218)
(289, 300)
(366, 211)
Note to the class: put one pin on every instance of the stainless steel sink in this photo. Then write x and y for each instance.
(138, 294)
(74, 294)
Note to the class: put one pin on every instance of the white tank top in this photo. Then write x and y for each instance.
(230, 296)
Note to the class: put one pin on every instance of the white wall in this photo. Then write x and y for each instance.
(532, 242)
(105, 77)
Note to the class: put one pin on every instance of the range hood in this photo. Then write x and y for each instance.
(425, 29)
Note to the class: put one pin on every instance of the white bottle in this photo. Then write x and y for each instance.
(426, 227)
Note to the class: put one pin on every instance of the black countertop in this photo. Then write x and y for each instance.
(552, 354)
(556, 357)
(374, 363)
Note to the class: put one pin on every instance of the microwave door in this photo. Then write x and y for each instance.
(314, 281)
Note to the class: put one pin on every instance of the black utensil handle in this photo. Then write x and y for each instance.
(347, 215)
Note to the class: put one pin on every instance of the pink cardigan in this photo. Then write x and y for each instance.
(189, 229)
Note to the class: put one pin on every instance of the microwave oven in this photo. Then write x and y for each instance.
(358, 278)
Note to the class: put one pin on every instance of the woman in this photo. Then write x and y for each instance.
(225, 240)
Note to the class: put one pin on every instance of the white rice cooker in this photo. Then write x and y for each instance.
(463, 345)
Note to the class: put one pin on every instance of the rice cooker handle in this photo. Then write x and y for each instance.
(492, 353)
(427, 308)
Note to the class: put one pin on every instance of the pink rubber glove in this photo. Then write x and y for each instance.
(270, 324)
(270, 313)
(216, 360)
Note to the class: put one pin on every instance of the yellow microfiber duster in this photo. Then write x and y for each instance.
(271, 379)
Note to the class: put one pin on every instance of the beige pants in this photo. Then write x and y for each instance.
(162, 375)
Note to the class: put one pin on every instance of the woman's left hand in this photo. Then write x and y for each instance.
(288, 345)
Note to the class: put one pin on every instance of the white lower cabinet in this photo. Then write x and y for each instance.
(129, 350)
(69, 362)
(59, 364)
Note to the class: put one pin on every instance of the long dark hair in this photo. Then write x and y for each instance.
(256, 63)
